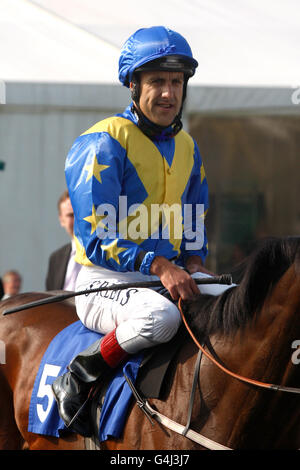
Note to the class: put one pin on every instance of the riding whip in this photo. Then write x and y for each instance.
(222, 279)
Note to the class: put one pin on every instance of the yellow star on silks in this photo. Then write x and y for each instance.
(202, 172)
(113, 251)
(94, 220)
(94, 169)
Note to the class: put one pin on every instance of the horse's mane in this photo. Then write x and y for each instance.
(234, 308)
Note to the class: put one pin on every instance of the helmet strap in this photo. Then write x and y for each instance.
(154, 131)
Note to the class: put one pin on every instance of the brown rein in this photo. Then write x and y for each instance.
(257, 383)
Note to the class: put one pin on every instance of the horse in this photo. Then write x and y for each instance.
(248, 330)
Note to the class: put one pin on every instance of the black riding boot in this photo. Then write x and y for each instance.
(72, 389)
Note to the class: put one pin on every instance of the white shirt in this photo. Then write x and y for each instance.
(6, 296)
(72, 270)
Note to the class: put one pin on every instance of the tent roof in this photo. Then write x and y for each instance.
(248, 43)
(36, 45)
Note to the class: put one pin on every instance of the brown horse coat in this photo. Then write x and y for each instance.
(251, 328)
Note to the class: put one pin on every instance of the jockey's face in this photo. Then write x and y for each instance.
(66, 216)
(161, 95)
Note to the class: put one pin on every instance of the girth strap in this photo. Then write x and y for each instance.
(193, 391)
(169, 423)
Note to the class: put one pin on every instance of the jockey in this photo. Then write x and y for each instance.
(143, 159)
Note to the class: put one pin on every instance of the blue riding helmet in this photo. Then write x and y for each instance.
(155, 48)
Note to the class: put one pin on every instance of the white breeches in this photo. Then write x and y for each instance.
(142, 317)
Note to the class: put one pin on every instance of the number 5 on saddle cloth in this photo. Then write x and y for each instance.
(43, 413)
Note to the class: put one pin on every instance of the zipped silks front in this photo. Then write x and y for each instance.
(116, 176)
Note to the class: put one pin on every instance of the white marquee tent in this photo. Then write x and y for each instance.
(247, 49)
(237, 42)
(58, 75)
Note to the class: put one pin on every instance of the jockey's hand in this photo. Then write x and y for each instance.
(194, 265)
(177, 281)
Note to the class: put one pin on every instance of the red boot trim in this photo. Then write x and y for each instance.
(111, 351)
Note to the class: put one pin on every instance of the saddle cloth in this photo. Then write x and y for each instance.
(43, 412)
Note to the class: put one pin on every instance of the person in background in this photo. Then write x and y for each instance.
(1, 289)
(12, 282)
(62, 268)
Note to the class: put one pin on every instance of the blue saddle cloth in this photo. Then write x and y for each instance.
(43, 412)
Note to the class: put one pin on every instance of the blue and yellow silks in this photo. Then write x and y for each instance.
(113, 167)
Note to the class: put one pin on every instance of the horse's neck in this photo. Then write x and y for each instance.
(261, 352)
(268, 338)
(281, 308)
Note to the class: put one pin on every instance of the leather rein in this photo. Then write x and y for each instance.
(257, 383)
(185, 430)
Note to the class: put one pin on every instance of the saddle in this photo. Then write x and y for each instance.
(151, 382)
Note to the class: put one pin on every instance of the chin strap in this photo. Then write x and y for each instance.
(154, 131)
